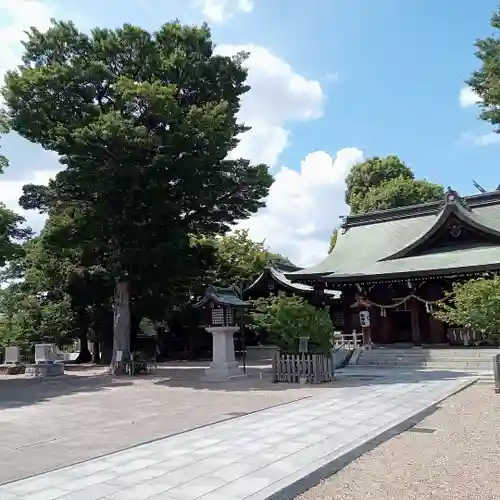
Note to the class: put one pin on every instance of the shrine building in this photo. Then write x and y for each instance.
(397, 264)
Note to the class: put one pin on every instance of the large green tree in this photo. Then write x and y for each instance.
(382, 183)
(485, 82)
(143, 123)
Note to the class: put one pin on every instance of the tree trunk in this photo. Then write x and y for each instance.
(96, 353)
(121, 326)
(82, 325)
(85, 356)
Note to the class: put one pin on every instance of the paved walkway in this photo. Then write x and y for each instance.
(275, 453)
(46, 424)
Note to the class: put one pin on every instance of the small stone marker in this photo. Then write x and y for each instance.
(12, 355)
(496, 372)
(44, 353)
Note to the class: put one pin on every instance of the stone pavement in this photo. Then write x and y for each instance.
(275, 453)
(46, 424)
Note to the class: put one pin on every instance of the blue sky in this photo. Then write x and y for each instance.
(358, 77)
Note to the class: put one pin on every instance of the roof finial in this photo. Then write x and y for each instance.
(450, 196)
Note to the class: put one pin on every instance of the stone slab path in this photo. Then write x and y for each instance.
(272, 454)
(47, 424)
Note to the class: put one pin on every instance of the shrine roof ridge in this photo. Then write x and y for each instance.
(278, 271)
(421, 209)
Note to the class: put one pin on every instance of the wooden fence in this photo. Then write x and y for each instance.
(312, 368)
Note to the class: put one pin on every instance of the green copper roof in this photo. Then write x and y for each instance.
(222, 296)
(376, 244)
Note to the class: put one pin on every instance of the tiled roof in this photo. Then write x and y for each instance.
(223, 296)
(278, 270)
(376, 244)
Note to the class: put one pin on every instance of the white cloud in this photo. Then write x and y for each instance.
(16, 16)
(468, 97)
(277, 97)
(303, 207)
(486, 139)
(219, 11)
(10, 191)
(481, 140)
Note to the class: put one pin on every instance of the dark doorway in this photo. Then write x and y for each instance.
(401, 327)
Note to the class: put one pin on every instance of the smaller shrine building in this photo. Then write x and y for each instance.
(273, 281)
(397, 264)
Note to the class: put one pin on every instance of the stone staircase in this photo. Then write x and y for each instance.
(469, 360)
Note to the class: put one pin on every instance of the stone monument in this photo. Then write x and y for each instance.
(47, 363)
(12, 355)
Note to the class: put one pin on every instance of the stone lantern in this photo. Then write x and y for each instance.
(220, 309)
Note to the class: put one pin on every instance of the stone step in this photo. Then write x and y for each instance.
(427, 353)
(430, 364)
(470, 359)
(407, 362)
(486, 362)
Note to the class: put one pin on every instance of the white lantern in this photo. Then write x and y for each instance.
(364, 319)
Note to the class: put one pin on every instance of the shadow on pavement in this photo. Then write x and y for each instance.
(17, 392)
(259, 378)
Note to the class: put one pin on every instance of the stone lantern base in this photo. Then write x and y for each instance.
(224, 366)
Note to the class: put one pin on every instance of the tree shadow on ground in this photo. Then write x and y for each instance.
(259, 378)
(17, 392)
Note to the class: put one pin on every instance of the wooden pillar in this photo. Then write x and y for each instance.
(367, 339)
(415, 321)
(347, 301)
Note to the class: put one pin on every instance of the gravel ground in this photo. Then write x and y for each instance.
(459, 461)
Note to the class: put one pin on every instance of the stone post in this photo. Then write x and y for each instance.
(224, 365)
(496, 372)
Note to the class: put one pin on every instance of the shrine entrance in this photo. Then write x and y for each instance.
(402, 332)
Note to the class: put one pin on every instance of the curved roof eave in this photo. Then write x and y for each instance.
(281, 278)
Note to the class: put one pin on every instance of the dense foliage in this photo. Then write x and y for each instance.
(475, 304)
(382, 183)
(11, 230)
(143, 123)
(238, 260)
(485, 82)
(287, 318)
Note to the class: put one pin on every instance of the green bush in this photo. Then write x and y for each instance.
(475, 304)
(286, 319)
